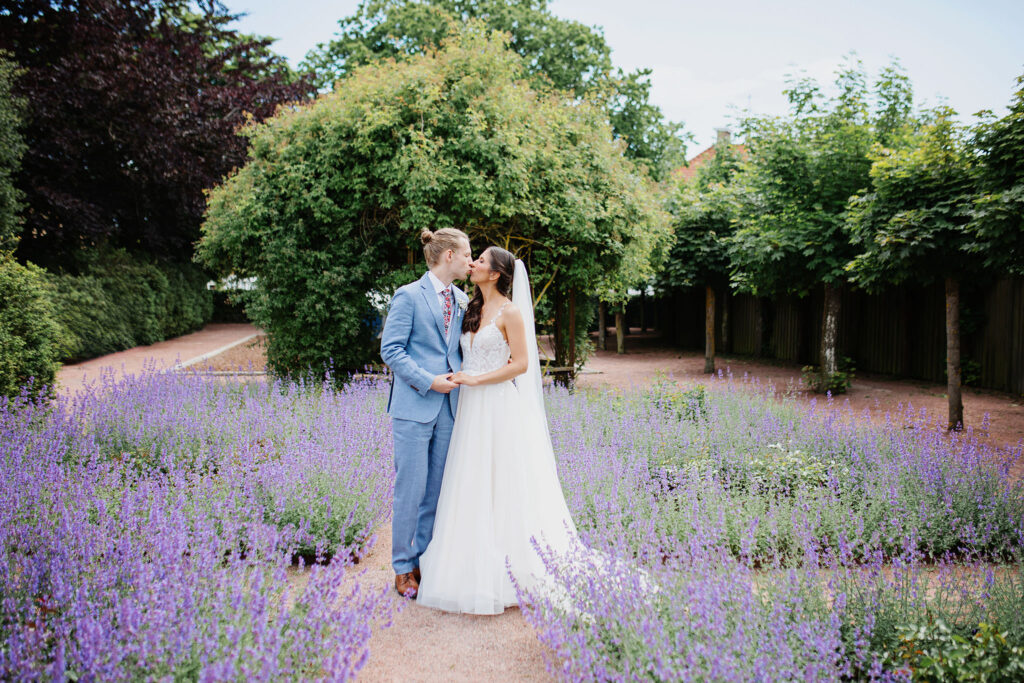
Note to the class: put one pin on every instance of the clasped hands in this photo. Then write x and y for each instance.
(445, 383)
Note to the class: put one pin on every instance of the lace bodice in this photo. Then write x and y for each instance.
(484, 351)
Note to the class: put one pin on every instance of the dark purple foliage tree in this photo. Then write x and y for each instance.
(132, 111)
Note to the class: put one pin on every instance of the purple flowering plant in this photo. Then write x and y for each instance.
(150, 527)
(726, 536)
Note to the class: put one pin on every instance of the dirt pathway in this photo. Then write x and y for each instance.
(429, 645)
(210, 341)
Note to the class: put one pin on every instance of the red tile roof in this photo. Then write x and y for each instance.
(686, 173)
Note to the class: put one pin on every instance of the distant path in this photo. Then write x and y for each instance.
(214, 338)
(647, 355)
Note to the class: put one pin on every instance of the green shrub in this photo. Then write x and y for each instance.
(936, 652)
(117, 301)
(227, 308)
(28, 335)
(335, 193)
(837, 383)
(88, 317)
(689, 405)
(188, 305)
(780, 466)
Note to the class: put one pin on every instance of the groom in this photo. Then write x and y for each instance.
(420, 343)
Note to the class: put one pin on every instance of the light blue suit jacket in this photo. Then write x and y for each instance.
(413, 346)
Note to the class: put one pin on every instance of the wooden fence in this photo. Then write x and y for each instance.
(899, 332)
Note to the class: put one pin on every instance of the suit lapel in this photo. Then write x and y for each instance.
(432, 302)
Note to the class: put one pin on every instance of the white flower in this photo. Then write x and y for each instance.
(463, 305)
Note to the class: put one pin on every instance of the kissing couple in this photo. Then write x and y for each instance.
(475, 474)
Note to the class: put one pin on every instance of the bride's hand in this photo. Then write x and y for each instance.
(464, 379)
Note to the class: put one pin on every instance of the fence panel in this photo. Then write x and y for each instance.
(900, 331)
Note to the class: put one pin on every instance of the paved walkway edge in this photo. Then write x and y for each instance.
(215, 352)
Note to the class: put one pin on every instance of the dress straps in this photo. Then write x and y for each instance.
(498, 314)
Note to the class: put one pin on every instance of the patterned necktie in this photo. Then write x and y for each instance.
(447, 309)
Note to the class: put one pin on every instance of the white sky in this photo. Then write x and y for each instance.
(709, 58)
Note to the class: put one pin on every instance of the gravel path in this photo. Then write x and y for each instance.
(214, 338)
(424, 644)
(429, 645)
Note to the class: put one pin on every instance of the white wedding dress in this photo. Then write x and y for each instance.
(500, 489)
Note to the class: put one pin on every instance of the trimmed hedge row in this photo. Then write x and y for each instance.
(114, 302)
(118, 301)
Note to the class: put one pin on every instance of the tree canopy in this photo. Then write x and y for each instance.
(569, 54)
(803, 170)
(911, 222)
(132, 108)
(792, 235)
(327, 212)
(997, 218)
(704, 212)
(562, 53)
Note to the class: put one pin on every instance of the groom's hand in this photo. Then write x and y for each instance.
(443, 384)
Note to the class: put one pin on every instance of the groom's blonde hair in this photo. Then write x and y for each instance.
(436, 243)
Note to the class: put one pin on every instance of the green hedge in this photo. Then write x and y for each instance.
(117, 301)
(28, 334)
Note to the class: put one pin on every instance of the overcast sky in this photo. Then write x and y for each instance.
(708, 60)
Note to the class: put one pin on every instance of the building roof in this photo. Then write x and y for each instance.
(686, 173)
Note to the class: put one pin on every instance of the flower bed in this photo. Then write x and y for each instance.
(729, 537)
(147, 527)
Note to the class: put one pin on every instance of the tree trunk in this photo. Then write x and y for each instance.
(602, 326)
(956, 404)
(903, 333)
(620, 330)
(559, 341)
(758, 327)
(709, 329)
(726, 299)
(830, 331)
(571, 330)
(565, 339)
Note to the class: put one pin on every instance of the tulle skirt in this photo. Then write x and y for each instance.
(500, 489)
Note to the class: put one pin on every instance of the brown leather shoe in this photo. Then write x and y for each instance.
(416, 574)
(407, 585)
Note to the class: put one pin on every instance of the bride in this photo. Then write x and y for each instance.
(500, 485)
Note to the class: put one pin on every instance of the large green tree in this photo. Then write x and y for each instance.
(997, 216)
(912, 225)
(131, 113)
(803, 169)
(327, 211)
(704, 211)
(566, 54)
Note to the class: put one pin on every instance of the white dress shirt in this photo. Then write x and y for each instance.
(440, 288)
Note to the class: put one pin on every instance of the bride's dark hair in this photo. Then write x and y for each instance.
(504, 263)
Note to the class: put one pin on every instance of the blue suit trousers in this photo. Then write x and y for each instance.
(421, 449)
